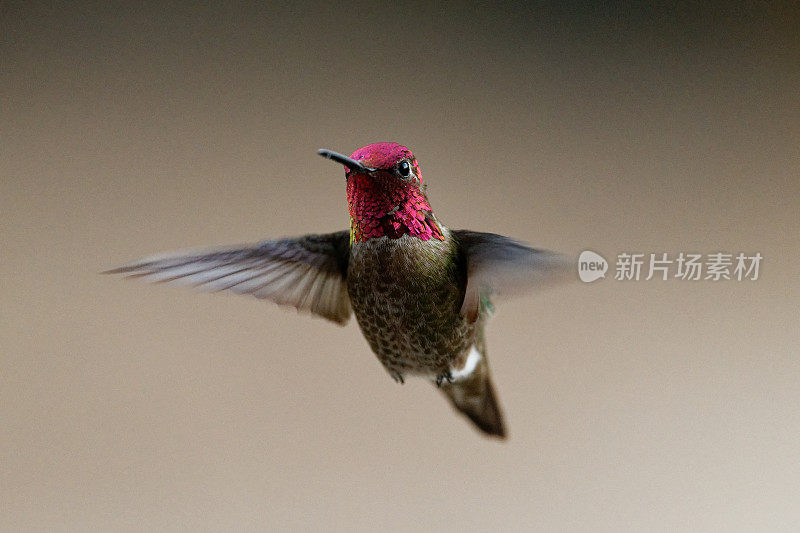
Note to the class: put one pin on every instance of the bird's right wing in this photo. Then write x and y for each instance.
(503, 266)
(306, 272)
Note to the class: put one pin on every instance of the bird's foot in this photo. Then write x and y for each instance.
(446, 375)
(397, 376)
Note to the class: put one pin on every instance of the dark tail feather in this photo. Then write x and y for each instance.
(474, 397)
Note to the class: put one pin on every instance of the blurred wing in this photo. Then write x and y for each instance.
(307, 272)
(505, 267)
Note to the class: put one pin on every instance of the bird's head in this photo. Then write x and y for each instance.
(385, 194)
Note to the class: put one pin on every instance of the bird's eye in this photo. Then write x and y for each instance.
(404, 169)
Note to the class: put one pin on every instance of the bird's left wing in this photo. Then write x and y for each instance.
(306, 272)
(499, 265)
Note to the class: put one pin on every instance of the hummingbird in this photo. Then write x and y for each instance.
(421, 292)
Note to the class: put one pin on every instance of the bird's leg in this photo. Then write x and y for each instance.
(397, 376)
(446, 375)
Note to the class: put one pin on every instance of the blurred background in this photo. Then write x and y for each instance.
(129, 129)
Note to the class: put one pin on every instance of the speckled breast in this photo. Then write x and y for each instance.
(406, 294)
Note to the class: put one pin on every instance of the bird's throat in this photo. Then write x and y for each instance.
(382, 206)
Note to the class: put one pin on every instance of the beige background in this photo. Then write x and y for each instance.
(631, 406)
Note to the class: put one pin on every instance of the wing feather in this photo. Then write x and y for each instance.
(307, 272)
(498, 265)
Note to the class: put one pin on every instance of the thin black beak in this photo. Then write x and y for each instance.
(352, 164)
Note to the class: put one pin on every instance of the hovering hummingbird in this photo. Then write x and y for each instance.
(419, 290)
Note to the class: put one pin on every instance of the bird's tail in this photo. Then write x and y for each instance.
(473, 396)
